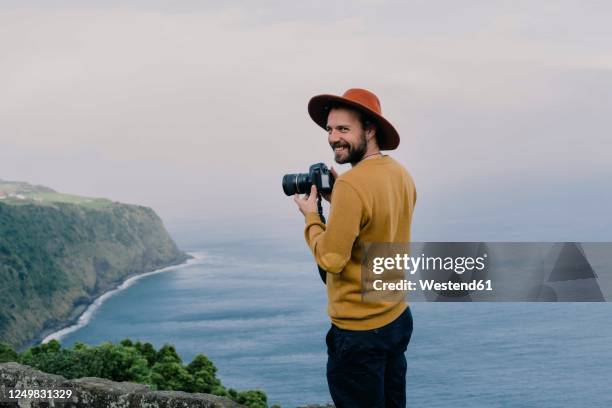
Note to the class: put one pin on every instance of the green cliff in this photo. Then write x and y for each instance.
(59, 252)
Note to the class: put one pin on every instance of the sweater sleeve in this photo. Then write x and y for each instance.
(332, 244)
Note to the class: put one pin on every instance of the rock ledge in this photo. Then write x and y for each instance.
(91, 392)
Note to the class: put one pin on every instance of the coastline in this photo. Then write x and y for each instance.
(82, 318)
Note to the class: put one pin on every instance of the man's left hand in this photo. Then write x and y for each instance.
(307, 203)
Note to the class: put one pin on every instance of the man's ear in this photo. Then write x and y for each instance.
(371, 131)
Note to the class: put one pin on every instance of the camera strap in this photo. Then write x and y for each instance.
(320, 208)
(322, 272)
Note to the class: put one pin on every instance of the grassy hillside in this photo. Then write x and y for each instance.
(16, 193)
(59, 252)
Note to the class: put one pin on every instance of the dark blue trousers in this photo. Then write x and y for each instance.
(367, 368)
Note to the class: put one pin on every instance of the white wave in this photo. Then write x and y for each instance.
(86, 316)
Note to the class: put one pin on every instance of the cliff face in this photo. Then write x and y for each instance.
(96, 392)
(59, 252)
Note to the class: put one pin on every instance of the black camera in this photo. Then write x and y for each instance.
(300, 183)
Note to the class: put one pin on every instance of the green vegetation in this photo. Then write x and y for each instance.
(137, 362)
(58, 253)
(19, 193)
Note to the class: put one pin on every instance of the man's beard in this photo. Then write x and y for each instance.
(355, 154)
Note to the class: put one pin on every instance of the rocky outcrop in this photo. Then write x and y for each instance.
(96, 392)
(59, 252)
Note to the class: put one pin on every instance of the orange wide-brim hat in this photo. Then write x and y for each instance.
(361, 99)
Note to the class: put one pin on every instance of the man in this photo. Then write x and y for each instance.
(372, 202)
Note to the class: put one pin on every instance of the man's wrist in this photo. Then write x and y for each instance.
(312, 216)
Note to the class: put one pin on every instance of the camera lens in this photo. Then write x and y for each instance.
(296, 183)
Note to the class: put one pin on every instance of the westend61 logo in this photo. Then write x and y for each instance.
(451, 270)
(412, 265)
(486, 271)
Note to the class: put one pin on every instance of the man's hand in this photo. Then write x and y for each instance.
(308, 203)
(327, 196)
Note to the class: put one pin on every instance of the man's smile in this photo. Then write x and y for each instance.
(340, 148)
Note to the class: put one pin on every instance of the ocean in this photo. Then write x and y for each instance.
(257, 309)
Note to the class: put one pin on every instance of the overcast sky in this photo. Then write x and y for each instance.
(503, 107)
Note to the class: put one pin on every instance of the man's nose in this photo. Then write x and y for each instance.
(333, 136)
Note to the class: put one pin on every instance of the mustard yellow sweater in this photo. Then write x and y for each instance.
(372, 202)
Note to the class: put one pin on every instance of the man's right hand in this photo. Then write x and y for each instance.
(327, 196)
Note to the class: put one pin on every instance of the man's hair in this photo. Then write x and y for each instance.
(365, 119)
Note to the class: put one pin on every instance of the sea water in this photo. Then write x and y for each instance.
(258, 311)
